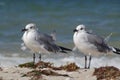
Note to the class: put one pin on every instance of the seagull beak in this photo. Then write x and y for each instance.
(23, 30)
(75, 30)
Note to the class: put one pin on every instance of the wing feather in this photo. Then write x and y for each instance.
(99, 42)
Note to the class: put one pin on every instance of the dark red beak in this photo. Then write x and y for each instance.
(23, 30)
(75, 30)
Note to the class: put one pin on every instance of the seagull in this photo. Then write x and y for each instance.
(91, 44)
(39, 42)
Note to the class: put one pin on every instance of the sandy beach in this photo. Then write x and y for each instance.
(16, 73)
(67, 72)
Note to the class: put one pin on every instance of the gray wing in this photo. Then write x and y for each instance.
(52, 47)
(48, 42)
(45, 37)
(98, 42)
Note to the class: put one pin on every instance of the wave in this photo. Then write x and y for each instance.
(60, 59)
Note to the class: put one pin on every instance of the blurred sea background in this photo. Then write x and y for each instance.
(100, 16)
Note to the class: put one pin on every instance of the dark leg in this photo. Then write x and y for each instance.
(85, 62)
(39, 57)
(34, 58)
(89, 62)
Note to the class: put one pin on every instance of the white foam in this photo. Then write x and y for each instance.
(12, 61)
(96, 62)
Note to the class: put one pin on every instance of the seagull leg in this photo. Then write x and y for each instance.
(33, 58)
(89, 62)
(85, 62)
(39, 57)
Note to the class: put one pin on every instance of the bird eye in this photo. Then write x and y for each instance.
(30, 27)
(81, 28)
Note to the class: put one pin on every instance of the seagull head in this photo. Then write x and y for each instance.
(30, 27)
(79, 28)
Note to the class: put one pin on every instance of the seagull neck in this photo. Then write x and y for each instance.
(83, 31)
(34, 30)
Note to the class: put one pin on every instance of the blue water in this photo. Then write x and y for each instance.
(101, 16)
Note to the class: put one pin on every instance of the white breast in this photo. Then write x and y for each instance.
(31, 43)
(81, 42)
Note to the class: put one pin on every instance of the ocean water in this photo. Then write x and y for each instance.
(100, 16)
